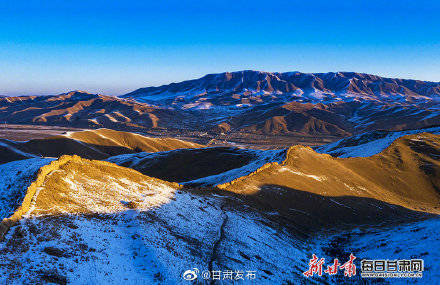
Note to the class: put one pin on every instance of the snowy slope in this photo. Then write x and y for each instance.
(87, 227)
(15, 177)
(146, 245)
(368, 144)
(413, 240)
(17, 151)
(261, 157)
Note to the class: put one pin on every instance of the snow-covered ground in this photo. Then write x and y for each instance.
(368, 144)
(413, 240)
(261, 157)
(155, 246)
(15, 177)
(101, 239)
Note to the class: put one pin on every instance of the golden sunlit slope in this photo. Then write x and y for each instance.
(111, 138)
(407, 174)
(92, 144)
(73, 184)
(77, 185)
(85, 221)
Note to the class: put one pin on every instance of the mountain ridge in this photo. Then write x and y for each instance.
(325, 104)
(291, 82)
(310, 108)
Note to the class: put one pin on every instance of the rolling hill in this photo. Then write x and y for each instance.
(399, 168)
(93, 144)
(198, 164)
(86, 221)
(404, 174)
(368, 144)
(83, 110)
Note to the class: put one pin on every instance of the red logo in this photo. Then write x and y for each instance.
(316, 264)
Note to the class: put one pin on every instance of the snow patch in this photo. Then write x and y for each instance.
(370, 147)
(317, 178)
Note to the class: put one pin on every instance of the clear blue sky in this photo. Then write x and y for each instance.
(112, 47)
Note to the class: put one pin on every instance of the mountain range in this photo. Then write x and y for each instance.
(336, 104)
(257, 87)
(245, 105)
(324, 106)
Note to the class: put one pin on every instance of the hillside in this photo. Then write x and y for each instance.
(16, 177)
(404, 174)
(93, 144)
(202, 166)
(368, 144)
(91, 221)
(76, 221)
(399, 168)
(83, 110)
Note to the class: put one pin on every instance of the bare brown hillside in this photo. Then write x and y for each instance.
(92, 144)
(405, 174)
(103, 138)
(82, 110)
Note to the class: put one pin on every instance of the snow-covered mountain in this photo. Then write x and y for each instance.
(245, 104)
(335, 104)
(255, 87)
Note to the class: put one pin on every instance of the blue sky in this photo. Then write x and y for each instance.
(113, 47)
